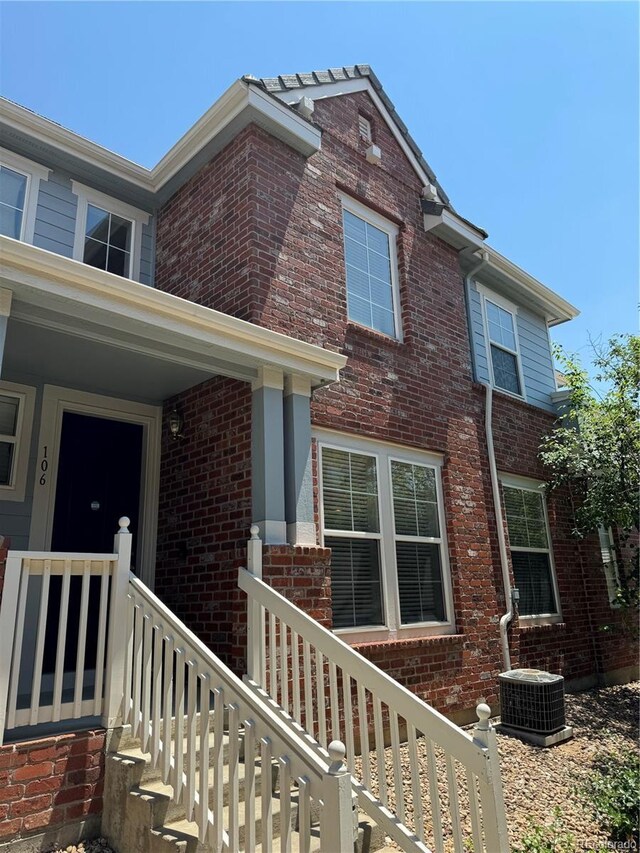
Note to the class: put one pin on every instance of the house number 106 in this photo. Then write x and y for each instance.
(44, 466)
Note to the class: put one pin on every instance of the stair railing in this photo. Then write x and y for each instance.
(325, 690)
(178, 696)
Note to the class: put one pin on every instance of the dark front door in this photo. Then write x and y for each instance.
(99, 472)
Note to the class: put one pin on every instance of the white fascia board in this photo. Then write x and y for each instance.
(452, 229)
(347, 87)
(55, 277)
(239, 96)
(557, 309)
(50, 133)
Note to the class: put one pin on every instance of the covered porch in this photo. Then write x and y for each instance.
(93, 366)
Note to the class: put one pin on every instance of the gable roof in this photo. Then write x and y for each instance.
(287, 82)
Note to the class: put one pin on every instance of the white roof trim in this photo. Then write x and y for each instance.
(238, 96)
(346, 87)
(54, 277)
(558, 309)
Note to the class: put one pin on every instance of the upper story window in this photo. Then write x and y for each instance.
(502, 338)
(19, 184)
(530, 544)
(371, 268)
(16, 416)
(108, 232)
(382, 518)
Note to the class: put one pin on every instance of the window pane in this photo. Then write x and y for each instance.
(354, 227)
(10, 221)
(13, 187)
(97, 223)
(525, 518)
(382, 320)
(420, 582)
(117, 261)
(414, 500)
(505, 370)
(8, 415)
(356, 593)
(377, 240)
(368, 275)
(350, 491)
(6, 459)
(95, 253)
(532, 574)
(120, 233)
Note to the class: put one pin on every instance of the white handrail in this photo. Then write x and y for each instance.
(370, 706)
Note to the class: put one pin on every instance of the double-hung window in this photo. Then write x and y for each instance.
(530, 544)
(108, 232)
(16, 417)
(501, 333)
(371, 268)
(609, 563)
(382, 519)
(19, 183)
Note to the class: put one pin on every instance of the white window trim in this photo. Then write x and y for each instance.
(26, 395)
(525, 483)
(506, 305)
(391, 230)
(610, 565)
(138, 218)
(385, 453)
(34, 173)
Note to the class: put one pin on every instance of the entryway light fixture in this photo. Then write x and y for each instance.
(175, 424)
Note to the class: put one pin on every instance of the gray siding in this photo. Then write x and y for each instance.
(56, 215)
(56, 223)
(15, 516)
(535, 353)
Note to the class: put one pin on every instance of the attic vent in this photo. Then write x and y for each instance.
(532, 700)
(364, 128)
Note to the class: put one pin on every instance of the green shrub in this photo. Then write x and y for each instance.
(546, 839)
(614, 792)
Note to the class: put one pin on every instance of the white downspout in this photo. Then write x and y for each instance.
(495, 486)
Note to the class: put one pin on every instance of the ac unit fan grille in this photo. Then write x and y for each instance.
(532, 705)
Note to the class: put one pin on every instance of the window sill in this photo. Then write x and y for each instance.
(546, 626)
(366, 332)
(408, 642)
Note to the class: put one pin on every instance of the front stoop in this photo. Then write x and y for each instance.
(140, 814)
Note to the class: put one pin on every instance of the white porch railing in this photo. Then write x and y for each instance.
(71, 690)
(328, 691)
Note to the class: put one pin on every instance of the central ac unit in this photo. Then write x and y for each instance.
(532, 700)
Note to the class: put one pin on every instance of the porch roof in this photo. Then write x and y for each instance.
(51, 292)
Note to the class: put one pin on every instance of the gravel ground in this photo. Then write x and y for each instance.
(537, 780)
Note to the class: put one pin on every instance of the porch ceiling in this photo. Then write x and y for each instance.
(87, 314)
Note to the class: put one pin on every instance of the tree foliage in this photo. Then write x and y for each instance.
(594, 448)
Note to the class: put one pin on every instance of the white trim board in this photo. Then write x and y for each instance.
(55, 402)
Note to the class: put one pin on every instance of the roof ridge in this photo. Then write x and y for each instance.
(302, 80)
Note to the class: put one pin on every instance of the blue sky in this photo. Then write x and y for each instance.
(527, 112)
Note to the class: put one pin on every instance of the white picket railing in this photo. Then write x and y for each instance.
(173, 687)
(325, 689)
(70, 690)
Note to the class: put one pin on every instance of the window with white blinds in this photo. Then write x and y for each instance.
(381, 517)
(531, 554)
(16, 417)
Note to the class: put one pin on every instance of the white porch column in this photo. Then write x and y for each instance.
(298, 487)
(5, 311)
(267, 456)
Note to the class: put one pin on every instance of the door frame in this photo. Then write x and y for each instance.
(55, 402)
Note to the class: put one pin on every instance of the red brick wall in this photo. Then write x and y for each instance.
(258, 233)
(47, 783)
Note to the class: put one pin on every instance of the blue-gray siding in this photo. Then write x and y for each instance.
(56, 223)
(537, 363)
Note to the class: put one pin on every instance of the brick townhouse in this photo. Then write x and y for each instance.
(287, 323)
